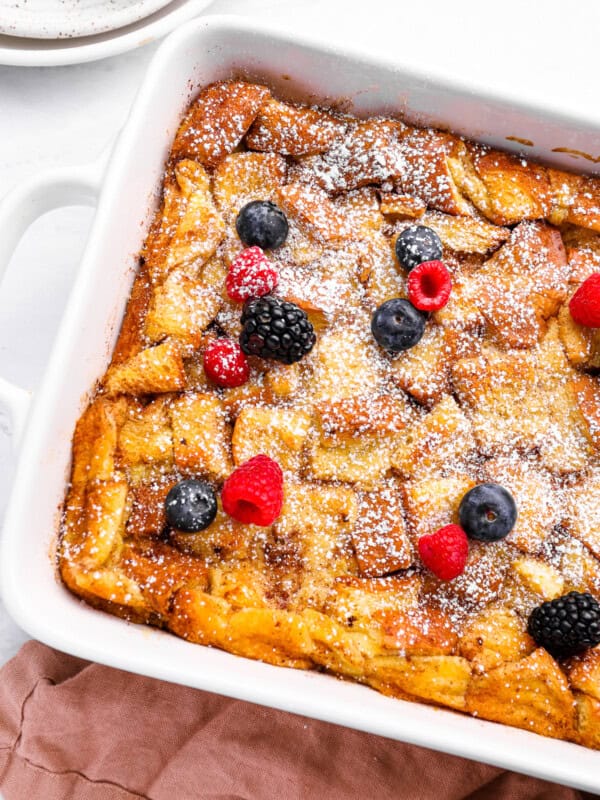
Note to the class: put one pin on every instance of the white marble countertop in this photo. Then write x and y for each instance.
(68, 115)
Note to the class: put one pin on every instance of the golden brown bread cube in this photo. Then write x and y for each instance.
(293, 130)
(131, 335)
(242, 585)
(148, 517)
(402, 205)
(582, 345)
(584, 672)
(439, 679)
(483, 580)
(539, 504)
(146, 437)
(313, 211)
(274, 636)
(441, 438)
(201, 436)
(523, 284)
(347, 165)
(336, 377)
(583, 511)
(379, 272)
(105, 514)
(335, 647)
(424, 370)
(517, 402)
(243, 177)
(379, 537)
(505, 188)
(365, 603)
(465, 234)
(539, 577)
(189, 225)
(576, 199)
(160, 571)
(224, 541)
(154, 370)
(361, 462)
(419, 631)
(493, 637)
(200, 228)
(545, 706)
(217, 120)
(362, 415)
(320, 519)
(431, 503)
(427, 171)
(279, 433)
(183, 308)
(586, 392)
(588, 720)
(361, 210)
(95, 441)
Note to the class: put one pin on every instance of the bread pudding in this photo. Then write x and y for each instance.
(352, 418)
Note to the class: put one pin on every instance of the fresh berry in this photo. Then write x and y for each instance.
(417, 244)
(191, 505)
(488, 512)
(429, 286)
(274, 328)
(397, 325)
(567, 625)
(253, 493)
(250, 275)
(225, 363)
(585, 303)
(445, 551)
(262, 223)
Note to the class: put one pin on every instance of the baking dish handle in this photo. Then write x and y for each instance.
(64, 186)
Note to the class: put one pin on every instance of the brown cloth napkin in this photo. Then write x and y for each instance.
(73, 729)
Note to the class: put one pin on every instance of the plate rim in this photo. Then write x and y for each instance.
(110, 43)
(20, 21)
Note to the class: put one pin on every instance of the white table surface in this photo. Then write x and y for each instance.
(68, 115)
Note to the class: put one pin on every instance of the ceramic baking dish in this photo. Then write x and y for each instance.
(201, 52)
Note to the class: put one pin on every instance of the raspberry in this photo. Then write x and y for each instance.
(445, 551)
(253, 493)
(225, 363)
(429, 286)
(250, 275)
(585, 303)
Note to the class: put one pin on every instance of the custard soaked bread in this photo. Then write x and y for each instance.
(352, 419)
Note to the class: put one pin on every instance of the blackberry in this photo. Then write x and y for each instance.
(566, 626)
(274, 328)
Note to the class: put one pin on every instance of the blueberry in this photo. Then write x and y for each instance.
(262, 223)
(488, 512)
(397, 325)
(417, 244)
(191, 505)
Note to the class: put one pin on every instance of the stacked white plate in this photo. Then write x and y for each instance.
(57, 32)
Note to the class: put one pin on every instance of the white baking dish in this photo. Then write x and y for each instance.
(203, 51)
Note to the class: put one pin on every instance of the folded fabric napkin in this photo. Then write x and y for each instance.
(73, 729)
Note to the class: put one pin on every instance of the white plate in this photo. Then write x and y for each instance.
(64, 19)
(21, 51)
